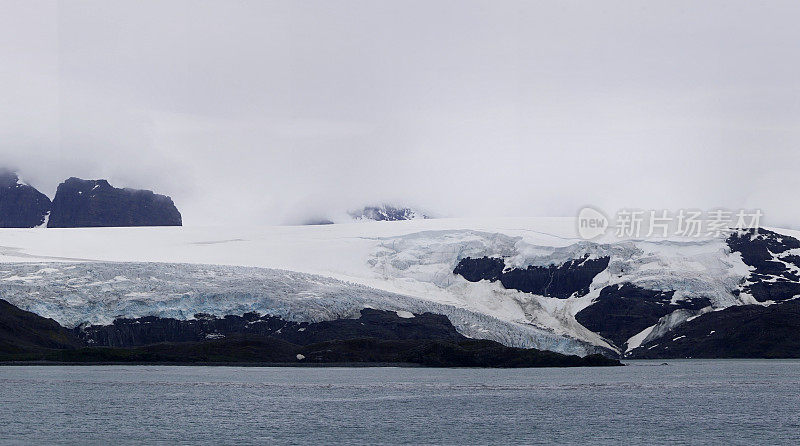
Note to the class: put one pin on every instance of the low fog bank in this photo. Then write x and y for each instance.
(281, 112)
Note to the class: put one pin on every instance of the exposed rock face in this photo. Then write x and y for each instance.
(377, 337)
(740, 331)
(674, 325)
(93, 203)
(484, 268)
(775, 275)
(254, 350)
(747, 331)
(386, 325)
(386, 213)
(21, 206)
(622, 311)
(561, 281)
(23, 331)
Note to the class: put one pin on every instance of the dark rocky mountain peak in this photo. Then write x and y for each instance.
(96, 203)
(8, 178)
(21, 205)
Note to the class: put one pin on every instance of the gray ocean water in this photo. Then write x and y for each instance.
(685, 402)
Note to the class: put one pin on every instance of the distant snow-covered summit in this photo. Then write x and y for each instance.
(380, 212)
(387, 212)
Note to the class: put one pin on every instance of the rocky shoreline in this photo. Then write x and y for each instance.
(377, 338)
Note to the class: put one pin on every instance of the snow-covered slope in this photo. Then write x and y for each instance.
(404, 265)
(340, 250)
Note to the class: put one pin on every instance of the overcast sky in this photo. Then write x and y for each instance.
(272, 112)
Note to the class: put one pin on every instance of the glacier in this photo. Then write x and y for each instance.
(96, 293)
(312, 273)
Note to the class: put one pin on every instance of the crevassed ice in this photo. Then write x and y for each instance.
(97, 293)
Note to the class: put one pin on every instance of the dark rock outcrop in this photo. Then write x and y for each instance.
(747, 331)
(379, 324)
(484, 268)
(376, 338)
(94, 203)
(622, 311)
(250, 350)
(561, 281)
(22, 331)
(21, 206)
(444, 353)
(771, 279)
(740, 331)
